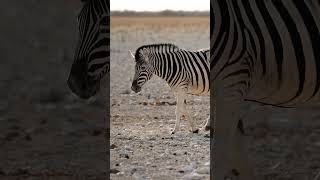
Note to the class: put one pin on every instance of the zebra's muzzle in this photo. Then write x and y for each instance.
(135, 87)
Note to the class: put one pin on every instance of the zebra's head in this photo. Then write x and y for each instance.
(143, 68)
(91, 60)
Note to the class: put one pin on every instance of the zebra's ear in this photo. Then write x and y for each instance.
(132, 54)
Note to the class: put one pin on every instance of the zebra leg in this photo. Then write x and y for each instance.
(226, 117)
(188, 117)
(240, 153)
(190, 121)
(179, 107)
(206, 125)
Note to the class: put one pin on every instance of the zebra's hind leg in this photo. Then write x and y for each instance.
(182, 110)
(188, 117)
(228, 150)
(240, 153)
(206, 125)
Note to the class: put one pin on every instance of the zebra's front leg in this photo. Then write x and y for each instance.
(179, 107)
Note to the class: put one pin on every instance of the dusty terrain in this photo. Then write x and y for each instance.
(45, 131)
(284, 143)
(141, 146)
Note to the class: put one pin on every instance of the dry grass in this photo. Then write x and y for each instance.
(191, 23)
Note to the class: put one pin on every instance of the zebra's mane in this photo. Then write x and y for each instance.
(168, 45)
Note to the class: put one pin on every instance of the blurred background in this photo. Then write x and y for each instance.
(45, 131)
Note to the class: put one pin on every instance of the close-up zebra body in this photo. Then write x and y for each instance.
(265, 51)
(91, 60)
(272, 45)
(186, 72)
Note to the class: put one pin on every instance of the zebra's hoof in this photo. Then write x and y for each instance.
(234, 175)
(206, 128)
(195, 131)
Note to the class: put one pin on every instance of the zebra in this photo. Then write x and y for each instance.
(264, 51)
(186, 72)
(91, 60)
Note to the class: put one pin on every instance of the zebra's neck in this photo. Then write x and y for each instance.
(162, 62)
(159, 65)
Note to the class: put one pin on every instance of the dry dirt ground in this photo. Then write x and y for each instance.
(284, 143)
(141, 145)
(45, 131)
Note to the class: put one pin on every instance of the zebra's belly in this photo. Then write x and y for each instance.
(199, 94)
(199, 90)
(289, 93)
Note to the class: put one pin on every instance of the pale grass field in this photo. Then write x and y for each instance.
(140, 123)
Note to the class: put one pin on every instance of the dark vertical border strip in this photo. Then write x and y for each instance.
(107, 115)
(212, 24)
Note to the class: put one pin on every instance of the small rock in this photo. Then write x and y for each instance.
(169, 167)
(126, 91)
(113, 146)
(181, 171)
(203, 170)
(193, 176)
(114, 171)
(124, 154)
(188, 168)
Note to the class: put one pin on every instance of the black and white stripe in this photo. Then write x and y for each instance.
(265, 51)
(91, 61)
(186, 72)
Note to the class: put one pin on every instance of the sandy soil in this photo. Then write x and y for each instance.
(141, 144)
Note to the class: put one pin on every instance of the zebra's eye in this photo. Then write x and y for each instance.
(142, 68)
